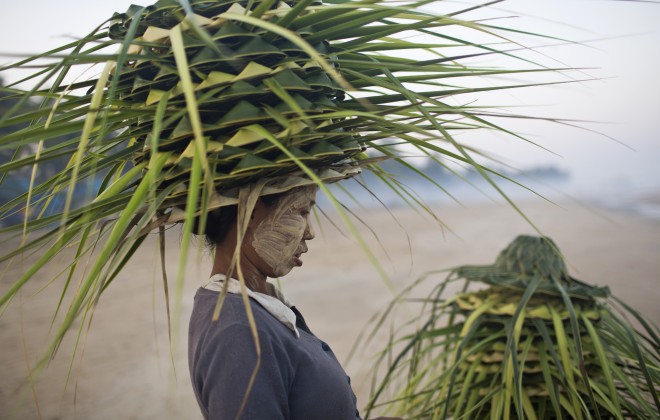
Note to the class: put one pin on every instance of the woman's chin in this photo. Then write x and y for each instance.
(281, 271)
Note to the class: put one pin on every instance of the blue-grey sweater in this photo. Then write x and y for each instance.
(297, 379)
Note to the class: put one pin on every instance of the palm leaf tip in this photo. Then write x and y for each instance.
(534, 343)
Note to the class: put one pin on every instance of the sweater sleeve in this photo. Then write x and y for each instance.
(224, 370)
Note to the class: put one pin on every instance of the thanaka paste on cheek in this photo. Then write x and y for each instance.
(279, 236)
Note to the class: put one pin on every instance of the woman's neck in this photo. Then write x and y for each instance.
(254, 279)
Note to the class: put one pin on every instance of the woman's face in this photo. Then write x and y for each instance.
(278, 232)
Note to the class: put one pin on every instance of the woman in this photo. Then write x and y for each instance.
(296, 376)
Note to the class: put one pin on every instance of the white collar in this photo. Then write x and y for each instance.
(277, 306)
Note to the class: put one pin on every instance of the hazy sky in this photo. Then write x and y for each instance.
(624, 43)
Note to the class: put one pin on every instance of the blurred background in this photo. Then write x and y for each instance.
(598, 168)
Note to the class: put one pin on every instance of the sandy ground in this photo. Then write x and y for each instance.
(128, 372)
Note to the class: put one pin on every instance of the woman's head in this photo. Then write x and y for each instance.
(276, 234)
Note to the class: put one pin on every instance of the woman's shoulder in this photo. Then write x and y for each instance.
(233, 317)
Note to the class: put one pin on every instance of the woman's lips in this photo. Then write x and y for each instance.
(297, 261)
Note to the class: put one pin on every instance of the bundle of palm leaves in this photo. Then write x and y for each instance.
(535, 343)
(204, 103)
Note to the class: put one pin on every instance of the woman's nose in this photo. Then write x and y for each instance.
(309, 232)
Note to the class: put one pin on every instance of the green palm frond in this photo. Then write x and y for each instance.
(195, 99)
(535, 343)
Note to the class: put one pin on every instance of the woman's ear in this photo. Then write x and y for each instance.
(259, 211)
